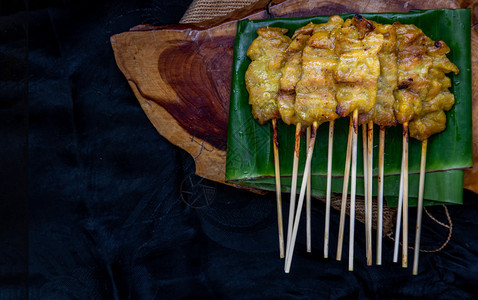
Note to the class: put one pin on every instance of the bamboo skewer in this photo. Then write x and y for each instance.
(278, 187)
(365, 181)
(381, 152)
(365, 178)
(329, 185)
(352, 191)
(399, 213)
(365, 187)
(405, 198)
(344, 192)
(308, 196)
(369, 192)
(300, 204)
(423, 163)
(293, 191)
(365, 163)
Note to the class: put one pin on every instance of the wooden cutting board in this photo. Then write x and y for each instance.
(181, 74)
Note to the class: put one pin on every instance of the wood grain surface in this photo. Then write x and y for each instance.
(181, 74)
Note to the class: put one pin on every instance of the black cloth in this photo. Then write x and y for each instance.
(95, 204)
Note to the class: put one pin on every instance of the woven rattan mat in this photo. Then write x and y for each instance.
(201, 10)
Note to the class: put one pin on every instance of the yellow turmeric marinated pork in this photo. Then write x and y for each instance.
(423, 127)
(291, 73)
(382, 113)
(432, 118)
(267, 53)
(413, 67)
(316, 89)
(439, 97)
(357, 72)
(390, 73)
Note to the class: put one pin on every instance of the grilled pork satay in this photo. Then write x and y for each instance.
(384, 114)
(357, 46)
(432, 118)
(381, 114)
(315, 91)
(315, 98)
(413, 84)
(295, 70)
(413, 67)
(291, 72)
(267, 53)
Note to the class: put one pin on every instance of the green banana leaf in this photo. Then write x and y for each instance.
(250, 150)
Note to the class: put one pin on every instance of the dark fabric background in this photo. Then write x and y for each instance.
(95, 204)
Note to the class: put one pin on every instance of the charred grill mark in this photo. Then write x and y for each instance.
(322, 44)
(275, 136)
(355, 124)
(304, 32)
(405, 130)
(297, 141)
(277, 115)
(314, 131)
(290, 51)
(339, 110)
(405, 84)
(363, 25)
(286, 93)
(369, 26)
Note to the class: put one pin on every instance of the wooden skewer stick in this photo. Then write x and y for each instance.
(329, 187)
(405, 198)
(293, 191)
(307, 198)
(278, 187)
(290, 251)
(345, 192)
(381, 153)
(365, 163)
(421, 186)
(365, 186)
(365, 178)
(399, 213)
(369, 192)
(352, 191)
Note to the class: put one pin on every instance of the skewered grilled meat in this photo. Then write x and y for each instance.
(267, 53)
(390, 73)
(382, 113)
(316, 89)
(413, 67)
(291, 73)
(432, 118)
(358, 69)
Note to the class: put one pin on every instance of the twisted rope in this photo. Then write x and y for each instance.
(449, 226)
